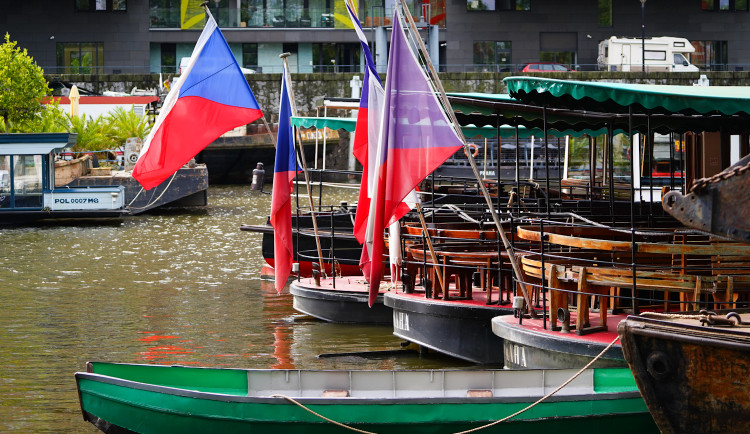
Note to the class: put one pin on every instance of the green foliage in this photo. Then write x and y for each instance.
(22, 85)
(126, 124)
(49, 120)
(94, 134)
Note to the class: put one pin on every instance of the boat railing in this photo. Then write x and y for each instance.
(577, 267)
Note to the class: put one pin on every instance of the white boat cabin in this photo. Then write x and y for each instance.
(27, 178)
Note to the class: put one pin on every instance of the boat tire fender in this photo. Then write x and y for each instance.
(658, 366)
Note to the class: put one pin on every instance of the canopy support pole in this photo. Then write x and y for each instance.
(304, 167)
(468, 152)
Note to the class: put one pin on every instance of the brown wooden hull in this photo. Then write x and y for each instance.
(693, 378)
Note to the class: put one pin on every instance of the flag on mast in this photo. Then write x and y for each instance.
(368, 126)
(416, 138)
(369, 117)
(210, 98)
(285, 168)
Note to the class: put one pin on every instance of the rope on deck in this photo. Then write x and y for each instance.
(542, 399)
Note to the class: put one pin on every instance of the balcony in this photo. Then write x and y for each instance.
(252, 17)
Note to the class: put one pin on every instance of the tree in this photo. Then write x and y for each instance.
(22, 85)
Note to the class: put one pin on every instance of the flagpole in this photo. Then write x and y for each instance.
(283, 56)
(485, 193)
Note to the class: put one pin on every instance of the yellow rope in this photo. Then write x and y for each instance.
(661, 315)
(539, 401)
(293, 401)
(542, 399)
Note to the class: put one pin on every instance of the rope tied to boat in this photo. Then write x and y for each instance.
(545, 397)
(529, 407)
(304, 407)
(706, 317)
(155, 200)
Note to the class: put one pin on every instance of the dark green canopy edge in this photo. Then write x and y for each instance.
(494, 109)
(506, 131)
(347, 124)
(617, 97)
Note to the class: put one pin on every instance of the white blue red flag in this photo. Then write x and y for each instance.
(285, 168)
(415, 139)
(210, 98)
(368, 126)
(369, 118)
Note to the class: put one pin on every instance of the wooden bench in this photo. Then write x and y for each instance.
(583, 276)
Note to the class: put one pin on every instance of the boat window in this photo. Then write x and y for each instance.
(27, 181)
(4, 181)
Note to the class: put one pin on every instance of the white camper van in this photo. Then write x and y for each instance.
(662, 54)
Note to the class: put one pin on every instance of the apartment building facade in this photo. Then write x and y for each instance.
(151, 36)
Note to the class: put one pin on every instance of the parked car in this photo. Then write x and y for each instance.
(545, 67)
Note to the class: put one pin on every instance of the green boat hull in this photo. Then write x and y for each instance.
(155, 399)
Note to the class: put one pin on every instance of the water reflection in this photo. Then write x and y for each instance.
(174, 288)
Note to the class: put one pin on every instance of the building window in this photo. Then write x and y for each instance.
(605, 13)
(80, 57)
(101, 5)
(492, 56)
(169, 58)
(498, 5)
(558, 47)
(724, 5)
(330, 57)
(710, 55)
(250, 56)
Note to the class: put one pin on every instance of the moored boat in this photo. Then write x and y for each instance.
(691, 369)
(340, 300)
(459, 328)
(28, 191)
(163, 399)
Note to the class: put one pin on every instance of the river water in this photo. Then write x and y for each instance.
(170, 288)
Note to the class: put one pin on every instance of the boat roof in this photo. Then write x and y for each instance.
(35, 143)
(641, 98)
(567, 115)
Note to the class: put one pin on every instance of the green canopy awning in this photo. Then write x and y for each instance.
(493, 109)
(617, 97)
(347, 124)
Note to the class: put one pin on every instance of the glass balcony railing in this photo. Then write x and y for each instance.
(290, 17)
(253, 17)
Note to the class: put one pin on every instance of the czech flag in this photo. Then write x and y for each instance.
(285, 168)
(210, 98)
(416, 138)
(364, 147)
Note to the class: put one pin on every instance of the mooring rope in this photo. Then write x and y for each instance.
(157, 199)
(304, 407)
(539, 401)
(659, 315)
(544, 398)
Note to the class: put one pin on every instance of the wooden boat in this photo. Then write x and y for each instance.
(164, 399)
(590, 278)
(691, 370)
(712, 203)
